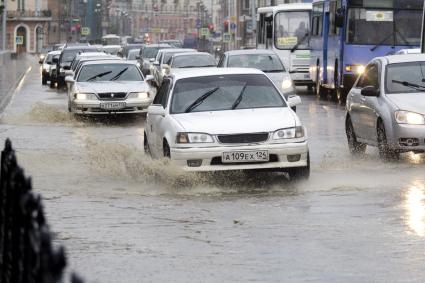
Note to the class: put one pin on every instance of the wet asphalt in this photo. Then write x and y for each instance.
(126, 218)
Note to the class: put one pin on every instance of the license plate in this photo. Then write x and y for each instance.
(112, 105)
(245, 156)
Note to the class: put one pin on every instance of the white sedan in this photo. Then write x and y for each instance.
(107, 86)
(226, 119)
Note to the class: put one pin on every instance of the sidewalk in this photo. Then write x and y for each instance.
(11, 72)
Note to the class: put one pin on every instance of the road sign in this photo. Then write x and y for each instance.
(19, 40)
(227, 37)
(205, 32)
(233, 26)
(85, 31)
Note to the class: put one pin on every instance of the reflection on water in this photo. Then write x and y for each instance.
(415, 208)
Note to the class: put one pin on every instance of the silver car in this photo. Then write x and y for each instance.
(264, 60)
(105, 86)
(386, 107)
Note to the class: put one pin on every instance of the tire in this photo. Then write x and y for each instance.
(356, 148)
(69, 106)
(166, 150)
(320, 90)
(335, 91)
(146, 144)
(386, 153)
(43, 80)
(300, 173)
(52, 83)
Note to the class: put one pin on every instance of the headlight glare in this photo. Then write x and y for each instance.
(286, 84)
(410, 118)
(183, 138)
(358, 69)
(289, 133)
(85, 96)
(139, 95)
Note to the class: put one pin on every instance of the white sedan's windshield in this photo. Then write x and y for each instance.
(109, 72)
(215, 93)
(405, 78)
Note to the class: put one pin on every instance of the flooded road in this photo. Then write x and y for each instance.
(126, 218)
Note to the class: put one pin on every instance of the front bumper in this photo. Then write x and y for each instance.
(211, 157)
(93, 107)
(408, 138)
(301, 77)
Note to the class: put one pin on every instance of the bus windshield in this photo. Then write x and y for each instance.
(292, 29)
(380, 26)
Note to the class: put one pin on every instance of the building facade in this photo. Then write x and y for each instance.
(27, 23)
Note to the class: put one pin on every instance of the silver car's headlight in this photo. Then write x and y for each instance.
(194, 138)
(85, 96)
(139, 95)
(287, 83)
(289, 133)
(410, 118)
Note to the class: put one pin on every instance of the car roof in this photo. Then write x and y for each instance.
(250, 51)
(171, 50)
(79, 48)
(161, 45)
(100, 58)
(56, 52)
(403, 58)
(92, 54)
(111, 46)
(107, 61)
(206, 72)
(192, 53)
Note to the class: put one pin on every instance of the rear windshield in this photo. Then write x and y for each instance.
(263, 62)
(225, 92)
(194, 61)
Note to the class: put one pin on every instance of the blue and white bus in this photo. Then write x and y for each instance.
(347, 34)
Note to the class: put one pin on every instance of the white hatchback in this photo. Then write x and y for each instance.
(226, 119)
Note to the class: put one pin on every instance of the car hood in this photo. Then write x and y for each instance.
(414, 102)
(99, 87)
(238, 121)
(278, 77)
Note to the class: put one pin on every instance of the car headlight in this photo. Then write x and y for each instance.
(286, 84)
(85, 96)
(194, 138)
(138, 64)
(410, 118)
(289, 133)
(358, 69)
(42, 56)
(139, 95)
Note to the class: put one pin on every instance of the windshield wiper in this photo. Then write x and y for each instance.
(381, 42)
(411, 85)
(201, 99)
(119, 74)
(298, 44)
(99, 75)
(240, 96)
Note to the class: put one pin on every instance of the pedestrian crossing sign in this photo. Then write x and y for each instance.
(85, 31)
(19, 40)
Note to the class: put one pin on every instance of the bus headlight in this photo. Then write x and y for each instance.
(358, 69)
(286, 84)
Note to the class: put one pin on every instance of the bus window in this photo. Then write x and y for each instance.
(317, 19)
(333, 7)
(292, 28)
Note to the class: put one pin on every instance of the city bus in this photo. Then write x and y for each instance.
(285, 29)
(347, 34)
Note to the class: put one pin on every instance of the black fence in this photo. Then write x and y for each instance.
(27, 253)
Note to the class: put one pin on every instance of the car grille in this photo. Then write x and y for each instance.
(218, 161)
(244, 138)
(112, 95)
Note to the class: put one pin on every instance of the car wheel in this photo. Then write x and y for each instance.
(52, 83)
(43, 80)
(321, 92)
(385, 152)
(69, 106)
(146, 144)
(166, 149)
(356, 148)
(300, 173)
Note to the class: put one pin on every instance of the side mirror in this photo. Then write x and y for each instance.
(69, 79)
(149, 78)
(67, 68)
(156, 110)
(339, 18)
(370, 91)
(167, 69)
(294, 100)
(40, 61)
(138, 57)
(69, 73)
(55, 60)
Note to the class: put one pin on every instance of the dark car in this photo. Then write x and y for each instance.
(148, 54)
(64, 62)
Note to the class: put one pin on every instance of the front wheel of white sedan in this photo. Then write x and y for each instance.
(146, 144)
(300, 173)
(356, 148)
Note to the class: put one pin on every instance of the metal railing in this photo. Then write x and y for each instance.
(27, 253)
